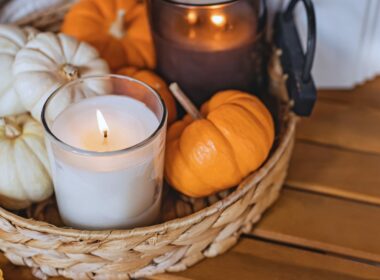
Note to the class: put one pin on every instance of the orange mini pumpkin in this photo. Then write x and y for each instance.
(118, 29)
(216, 152)
(158, 84)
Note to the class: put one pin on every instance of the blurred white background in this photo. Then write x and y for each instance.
(348, 44)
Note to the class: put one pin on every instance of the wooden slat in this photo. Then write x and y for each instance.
(351, 126)
(337, 172)
(252, 259)
(349, 119)
(367, 95)
(333, 225)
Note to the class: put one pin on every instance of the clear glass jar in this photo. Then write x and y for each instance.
(105, 138)
(209, 47)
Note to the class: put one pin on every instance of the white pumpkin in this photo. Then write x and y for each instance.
(12, 39)
(17, 9)
(24, 166)
(50, 60)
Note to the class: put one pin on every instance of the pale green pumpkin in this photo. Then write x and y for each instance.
(24, 167)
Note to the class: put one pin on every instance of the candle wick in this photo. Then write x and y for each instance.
(105, 137)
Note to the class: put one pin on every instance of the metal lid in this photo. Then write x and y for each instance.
(200, 2)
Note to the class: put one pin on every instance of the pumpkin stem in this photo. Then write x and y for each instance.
(117, 27)
(12, 129)
(185, 101)
(70, 72)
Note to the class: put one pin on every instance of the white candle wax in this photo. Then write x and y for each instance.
(104, 190)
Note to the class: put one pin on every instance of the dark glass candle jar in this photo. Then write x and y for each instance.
(207, 46)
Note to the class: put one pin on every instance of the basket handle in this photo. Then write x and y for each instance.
(311, 34)
(297, 64)
(263, 17)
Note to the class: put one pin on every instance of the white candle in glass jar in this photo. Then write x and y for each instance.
(107, 185)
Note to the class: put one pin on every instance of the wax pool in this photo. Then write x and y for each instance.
(107, 190)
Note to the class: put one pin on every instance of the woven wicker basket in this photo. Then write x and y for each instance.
(194, 229)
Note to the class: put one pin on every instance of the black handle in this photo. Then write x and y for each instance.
(311, 34)
(297, 64)
(263, 16)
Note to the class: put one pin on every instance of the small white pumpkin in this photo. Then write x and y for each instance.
(50, 60)
(24, 166)
(18, 9)
(12, 39)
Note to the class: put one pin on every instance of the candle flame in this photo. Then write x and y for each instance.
(218, 20)
(192, 17)
(102, 124)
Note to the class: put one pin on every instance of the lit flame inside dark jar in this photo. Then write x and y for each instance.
(207, 47)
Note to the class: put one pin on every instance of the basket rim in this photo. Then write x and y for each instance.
(246, 185)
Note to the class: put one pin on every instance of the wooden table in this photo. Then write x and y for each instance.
(326, 225)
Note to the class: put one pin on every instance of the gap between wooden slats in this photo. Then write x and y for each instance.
(324, 223)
